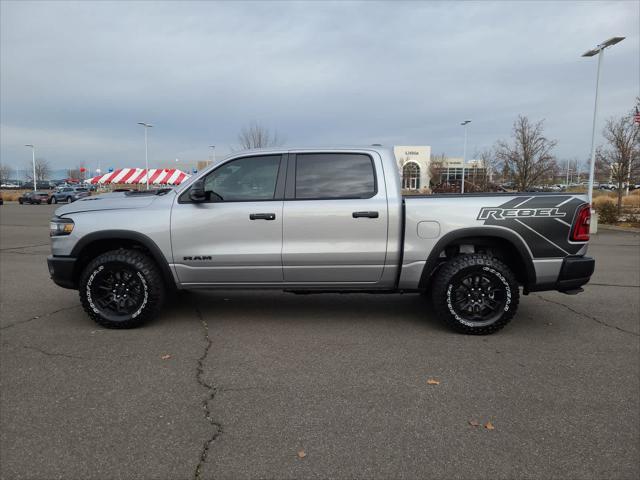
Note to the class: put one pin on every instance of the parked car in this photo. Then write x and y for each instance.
(313, 221)
(32, 198)
(68, 194)
(40, 185)
(1, 199)
(608, 186)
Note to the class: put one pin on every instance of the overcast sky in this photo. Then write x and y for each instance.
(77, 77)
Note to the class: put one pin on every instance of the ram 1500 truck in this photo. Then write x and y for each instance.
(319, 220)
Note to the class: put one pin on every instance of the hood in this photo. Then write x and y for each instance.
(111, 201)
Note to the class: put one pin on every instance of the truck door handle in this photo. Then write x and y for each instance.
(262, 216)
(365, 214)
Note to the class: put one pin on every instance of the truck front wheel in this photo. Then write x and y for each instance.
(475, 294)
(121, 289)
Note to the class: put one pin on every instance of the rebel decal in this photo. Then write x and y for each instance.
(544, 222)
(498, 213)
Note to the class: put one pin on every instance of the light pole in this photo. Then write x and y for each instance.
(146, 150)
(464, 156)
(599, 50)
(33, 156)
(213, 154)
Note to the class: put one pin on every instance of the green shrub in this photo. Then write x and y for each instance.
(607, 212)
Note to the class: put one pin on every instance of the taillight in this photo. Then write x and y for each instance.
(580, 231)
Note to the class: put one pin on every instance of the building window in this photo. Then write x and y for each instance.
(411, 176)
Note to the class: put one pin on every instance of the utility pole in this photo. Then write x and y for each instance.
(146, 150)
(33, 159)
(599, 50)
(464, 156)
(212, 157)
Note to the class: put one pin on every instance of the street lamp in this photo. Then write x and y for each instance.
(33, 155)
(599, 50)
(464, 156)
(213, 153)
(146, 150)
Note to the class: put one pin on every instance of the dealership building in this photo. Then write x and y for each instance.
(413, 162)
(415, 167)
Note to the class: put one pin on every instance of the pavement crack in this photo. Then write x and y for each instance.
(48, 354)
(590, 317)
(19, 252)
(19, 322)
(8, 249)
(614, 285)
(211, 393)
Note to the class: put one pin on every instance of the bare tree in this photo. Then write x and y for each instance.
(436, 166)
(490, 165)
(258, 136)
(621, 155)
(43, 170)
(529, 159)
(5, 173)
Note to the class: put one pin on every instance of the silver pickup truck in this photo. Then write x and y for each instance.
(318, 220)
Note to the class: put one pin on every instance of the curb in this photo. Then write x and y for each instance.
(618, 229)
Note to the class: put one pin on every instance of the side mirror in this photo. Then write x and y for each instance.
(197, 193)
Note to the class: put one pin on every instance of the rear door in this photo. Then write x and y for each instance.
(335, 218)
(236, 236)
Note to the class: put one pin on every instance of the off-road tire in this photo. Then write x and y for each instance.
(462, 266)
(149, 277)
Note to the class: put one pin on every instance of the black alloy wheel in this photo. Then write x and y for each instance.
(478, 298)
(117, 290)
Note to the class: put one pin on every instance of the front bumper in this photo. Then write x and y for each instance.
(62, 271)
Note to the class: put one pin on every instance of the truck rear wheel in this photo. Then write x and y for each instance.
(475, 294)
(121, 289)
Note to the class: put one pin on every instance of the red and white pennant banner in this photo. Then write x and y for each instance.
(157, 176)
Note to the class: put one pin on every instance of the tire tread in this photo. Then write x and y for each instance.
(152, 275)
(454, 266)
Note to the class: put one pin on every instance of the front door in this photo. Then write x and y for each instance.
(335, 219)
(235, 237)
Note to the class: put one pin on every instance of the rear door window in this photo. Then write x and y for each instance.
(334, 176)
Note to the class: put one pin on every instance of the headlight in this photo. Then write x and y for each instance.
(60, 226)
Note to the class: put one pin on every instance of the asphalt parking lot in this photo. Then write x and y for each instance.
(232, 385)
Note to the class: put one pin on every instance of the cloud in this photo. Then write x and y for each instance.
(76, 77)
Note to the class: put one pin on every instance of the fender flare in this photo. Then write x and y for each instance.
(481, 232)
(138, 237)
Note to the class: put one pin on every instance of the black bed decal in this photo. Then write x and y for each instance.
(543, 222)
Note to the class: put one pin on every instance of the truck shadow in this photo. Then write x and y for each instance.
(280, 307)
